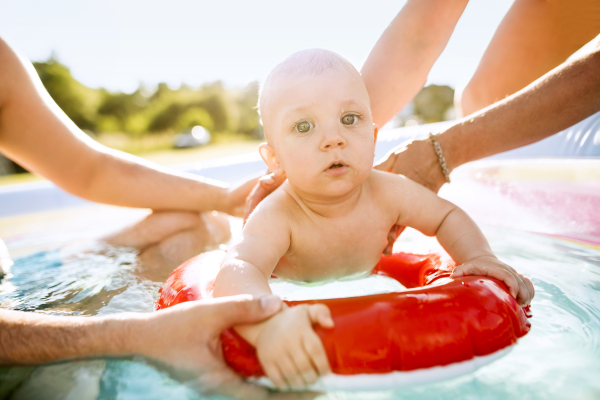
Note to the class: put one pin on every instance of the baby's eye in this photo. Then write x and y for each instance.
(349, 119)
(304, 126)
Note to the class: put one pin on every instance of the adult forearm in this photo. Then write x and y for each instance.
(559, 99)
(400, 61)
(38, 135)
(28, 338)
(126, 180)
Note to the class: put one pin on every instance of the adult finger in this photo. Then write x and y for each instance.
(257, 194)
(241, 309)
(266, 185)
(387, 163)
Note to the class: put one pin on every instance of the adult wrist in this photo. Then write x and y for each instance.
(222, 200)
(210, 197)
(448, 144)
(123, 334)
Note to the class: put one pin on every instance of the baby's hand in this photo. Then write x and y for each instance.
(288, 348)
(519, 286)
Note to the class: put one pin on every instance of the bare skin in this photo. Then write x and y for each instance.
(400, 61)
(557, 100)
(331, 218)
(37, 134)
(185, 336)
(166, 239)
(533, 38)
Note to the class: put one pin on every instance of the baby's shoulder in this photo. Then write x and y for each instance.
(277, 203)
(387, 182)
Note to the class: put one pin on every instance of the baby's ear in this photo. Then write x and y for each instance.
(268, 155)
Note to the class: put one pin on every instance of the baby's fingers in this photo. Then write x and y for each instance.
(275, 375)
(526, 291)
(318, 357)
(290, 372)
(304, 366)
(320, 314)
(510, 279)
(530, 286)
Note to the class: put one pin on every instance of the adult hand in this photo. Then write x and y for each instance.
(266, 185)
(187, 335)
(415, 159)
(235, 198)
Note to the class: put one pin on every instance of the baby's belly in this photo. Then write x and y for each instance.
(315, 269)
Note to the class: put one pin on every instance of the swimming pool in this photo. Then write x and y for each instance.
(60, 269)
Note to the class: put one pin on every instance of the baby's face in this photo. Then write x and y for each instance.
(320, 130)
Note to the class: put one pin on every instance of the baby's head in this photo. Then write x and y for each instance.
(316, 116)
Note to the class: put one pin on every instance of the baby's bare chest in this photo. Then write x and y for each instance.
(324, 249)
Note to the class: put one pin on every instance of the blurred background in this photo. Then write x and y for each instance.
(179, 82)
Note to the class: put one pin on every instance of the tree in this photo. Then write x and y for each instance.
(79, 102)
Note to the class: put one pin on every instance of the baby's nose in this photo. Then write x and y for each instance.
(332, 140)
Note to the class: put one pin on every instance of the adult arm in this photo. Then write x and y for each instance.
(400, 61)
(37, 134)
(557, 100)
(185, 335)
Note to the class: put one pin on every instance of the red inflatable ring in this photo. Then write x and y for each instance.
(438, 328)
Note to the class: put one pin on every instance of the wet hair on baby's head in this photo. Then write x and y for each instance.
(304, 62)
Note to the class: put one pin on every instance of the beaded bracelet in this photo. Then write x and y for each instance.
(440, 155)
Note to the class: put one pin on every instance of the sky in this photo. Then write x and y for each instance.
(117, 44)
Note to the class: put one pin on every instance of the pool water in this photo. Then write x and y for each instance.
(558, 359)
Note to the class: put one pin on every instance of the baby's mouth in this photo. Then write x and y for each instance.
(338, 165)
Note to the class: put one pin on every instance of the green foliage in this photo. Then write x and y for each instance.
(194, 116)
(213, 106)
(79, 102)
(433, 101)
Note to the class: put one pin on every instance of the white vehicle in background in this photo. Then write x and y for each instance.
(198, 136)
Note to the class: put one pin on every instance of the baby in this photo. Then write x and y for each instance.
(332, 216)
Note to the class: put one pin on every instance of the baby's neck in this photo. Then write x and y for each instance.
(329, 206)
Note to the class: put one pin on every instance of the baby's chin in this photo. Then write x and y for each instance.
(331, 190)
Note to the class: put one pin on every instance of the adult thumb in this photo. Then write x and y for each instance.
(239, 310)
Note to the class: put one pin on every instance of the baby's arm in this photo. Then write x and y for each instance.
(458, 234)
(288, 349)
